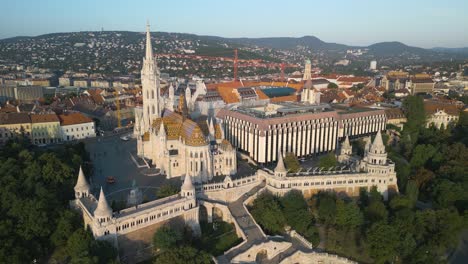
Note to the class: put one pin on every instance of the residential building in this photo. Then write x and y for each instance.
(45, 129)
(76, 126)
(14, 124)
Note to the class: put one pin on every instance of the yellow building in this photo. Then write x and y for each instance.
(41, 82)
(14, 124)
(45, 129)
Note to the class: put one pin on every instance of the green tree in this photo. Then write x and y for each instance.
(326, 208)
(332, 86)
(183, 255)
(328, 161)
(291, 162)
(166, 237)
(348, 215)
(166, 190)
(79, 247)
(382, 240)
(297, 214)
(267, 212)
(66, 225)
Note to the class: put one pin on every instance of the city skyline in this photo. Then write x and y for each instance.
(417, 24)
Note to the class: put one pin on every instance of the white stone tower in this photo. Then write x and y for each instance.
(103, 212)
(377, 154)
(280, 170)
(187, 189)
(345, 152)
(309, 94)
(150, 85)
(307, 71)
(82, 188)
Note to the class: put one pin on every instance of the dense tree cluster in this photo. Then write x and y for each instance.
(35, 220)
(273, 214)
(422, 223)
(176, 246)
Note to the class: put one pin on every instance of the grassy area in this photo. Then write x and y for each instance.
(217, 237)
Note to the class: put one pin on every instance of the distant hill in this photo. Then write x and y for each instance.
(290, 43)
(394, 48)
(452, 50)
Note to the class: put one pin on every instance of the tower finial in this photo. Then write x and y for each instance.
(149, 48)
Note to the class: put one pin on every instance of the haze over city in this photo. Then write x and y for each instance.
(418, 23)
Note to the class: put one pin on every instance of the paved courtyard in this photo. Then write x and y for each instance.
(112, 156)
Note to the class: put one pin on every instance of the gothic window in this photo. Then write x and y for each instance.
(152, 94)
(147, 94)
(153, 109)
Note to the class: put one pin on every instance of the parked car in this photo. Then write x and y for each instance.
(110, 179)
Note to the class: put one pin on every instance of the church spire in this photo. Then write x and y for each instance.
(149, 48)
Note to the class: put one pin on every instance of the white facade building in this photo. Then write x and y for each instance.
(76, 126)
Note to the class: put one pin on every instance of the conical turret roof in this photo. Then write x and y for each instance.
(187, 185)
(378, 142)
(103, 209)
(346, 143)
(280, 166)
(81, 183)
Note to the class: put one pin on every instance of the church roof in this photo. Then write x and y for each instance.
(103, 209)
(81, 183)
(177, 127)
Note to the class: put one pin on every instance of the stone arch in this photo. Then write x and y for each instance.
(203, 216)
(217, 213)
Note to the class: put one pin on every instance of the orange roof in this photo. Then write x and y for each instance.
(73, 119)
(44, 118)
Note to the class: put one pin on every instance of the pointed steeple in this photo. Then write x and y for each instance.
(280, 168)
(103, 210)
(346, 143)
(162, 131)
(378, 145)
(149, 48)
(187, 185)
(171, 91)
(187, 189)
(82, 185)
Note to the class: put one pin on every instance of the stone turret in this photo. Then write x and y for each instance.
(280, 170)
(187, 189)
(377, 154)
(345, 152)
(103, 212)
(82, 188)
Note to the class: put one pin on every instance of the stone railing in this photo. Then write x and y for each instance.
(213, 187)
(302, 239)
(248, 201)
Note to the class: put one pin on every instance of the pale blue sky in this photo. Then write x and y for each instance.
(421, 23)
